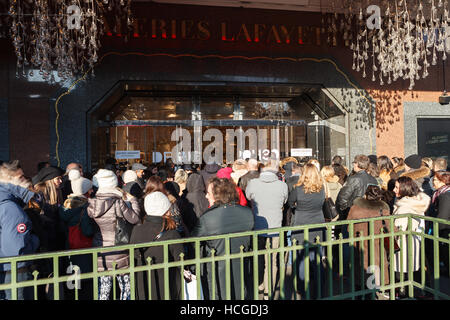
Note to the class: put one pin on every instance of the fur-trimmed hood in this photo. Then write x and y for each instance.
(15, 192)
(371, 205)
(15, 181)
(417, 174)
(73, 201)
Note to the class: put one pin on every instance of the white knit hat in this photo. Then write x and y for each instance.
(129, 176)
(105, 179)
(80, 185)
(156, 204)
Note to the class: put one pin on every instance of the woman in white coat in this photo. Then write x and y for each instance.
(409, 200)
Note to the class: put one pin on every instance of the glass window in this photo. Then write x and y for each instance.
(155, 108)
(216, 108)
(268, 108)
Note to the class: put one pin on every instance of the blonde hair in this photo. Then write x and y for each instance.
(180, 176)
(328, 174)
(311, 179)
(315, 162)
(51, 194)
(239, 164)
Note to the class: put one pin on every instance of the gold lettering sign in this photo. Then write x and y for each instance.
(188, 29)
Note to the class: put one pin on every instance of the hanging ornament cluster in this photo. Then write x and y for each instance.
(60, 35)
(412, 34)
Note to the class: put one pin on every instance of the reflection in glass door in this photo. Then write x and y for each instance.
(227, 143)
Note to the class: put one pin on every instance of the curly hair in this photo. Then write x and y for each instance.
(224, 191)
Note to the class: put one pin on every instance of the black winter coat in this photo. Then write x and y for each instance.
(355, 187)
(443, 212)
(218, 220)
(147, 232)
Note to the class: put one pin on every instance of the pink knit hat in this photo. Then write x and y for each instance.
(224, 173)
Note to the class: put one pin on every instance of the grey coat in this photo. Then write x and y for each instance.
(268, 195)
(308, 210)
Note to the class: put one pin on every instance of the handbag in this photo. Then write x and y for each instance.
(123, 231)
(387, 240)
(77, 240)
(329, 208)
(190, 287)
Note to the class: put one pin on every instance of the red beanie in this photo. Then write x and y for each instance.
(224, 173)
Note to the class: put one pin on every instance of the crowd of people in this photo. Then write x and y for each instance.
(59, 210)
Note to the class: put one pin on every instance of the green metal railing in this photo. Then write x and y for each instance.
(336, 271)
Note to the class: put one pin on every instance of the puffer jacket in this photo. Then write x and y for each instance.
(104, 208)
(16, 235)
(355, 187)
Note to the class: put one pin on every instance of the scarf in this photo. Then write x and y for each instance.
(440, 191)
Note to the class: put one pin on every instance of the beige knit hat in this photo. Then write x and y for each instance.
(156, 204)
(79, 184)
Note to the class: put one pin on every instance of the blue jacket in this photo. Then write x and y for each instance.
(15, 226)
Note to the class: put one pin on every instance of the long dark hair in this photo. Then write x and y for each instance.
(384, 163)
(407, 187)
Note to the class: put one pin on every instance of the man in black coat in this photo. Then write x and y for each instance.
(355, 186)
(224, 216)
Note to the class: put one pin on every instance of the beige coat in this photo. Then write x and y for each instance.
(416, 205)
(104, 208)
(332, 188)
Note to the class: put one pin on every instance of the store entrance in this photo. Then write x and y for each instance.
(194, 144)
(155, 122)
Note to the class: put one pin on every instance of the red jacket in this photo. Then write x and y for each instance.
(242, 199)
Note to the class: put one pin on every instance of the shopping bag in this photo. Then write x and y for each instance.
(190, 286)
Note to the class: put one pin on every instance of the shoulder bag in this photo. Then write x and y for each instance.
(387, 246)
(329, 208)
(123, 230)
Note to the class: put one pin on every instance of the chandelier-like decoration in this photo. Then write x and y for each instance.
(61, 35)
(411, 35)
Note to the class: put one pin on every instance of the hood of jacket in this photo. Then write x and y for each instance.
(73, 202)
(14, 192)
(104, 201)
(212, 168)
(268, 176)
(195, 183)
(416, 174)
(371, 205)
(333, 184)
(419, 203)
